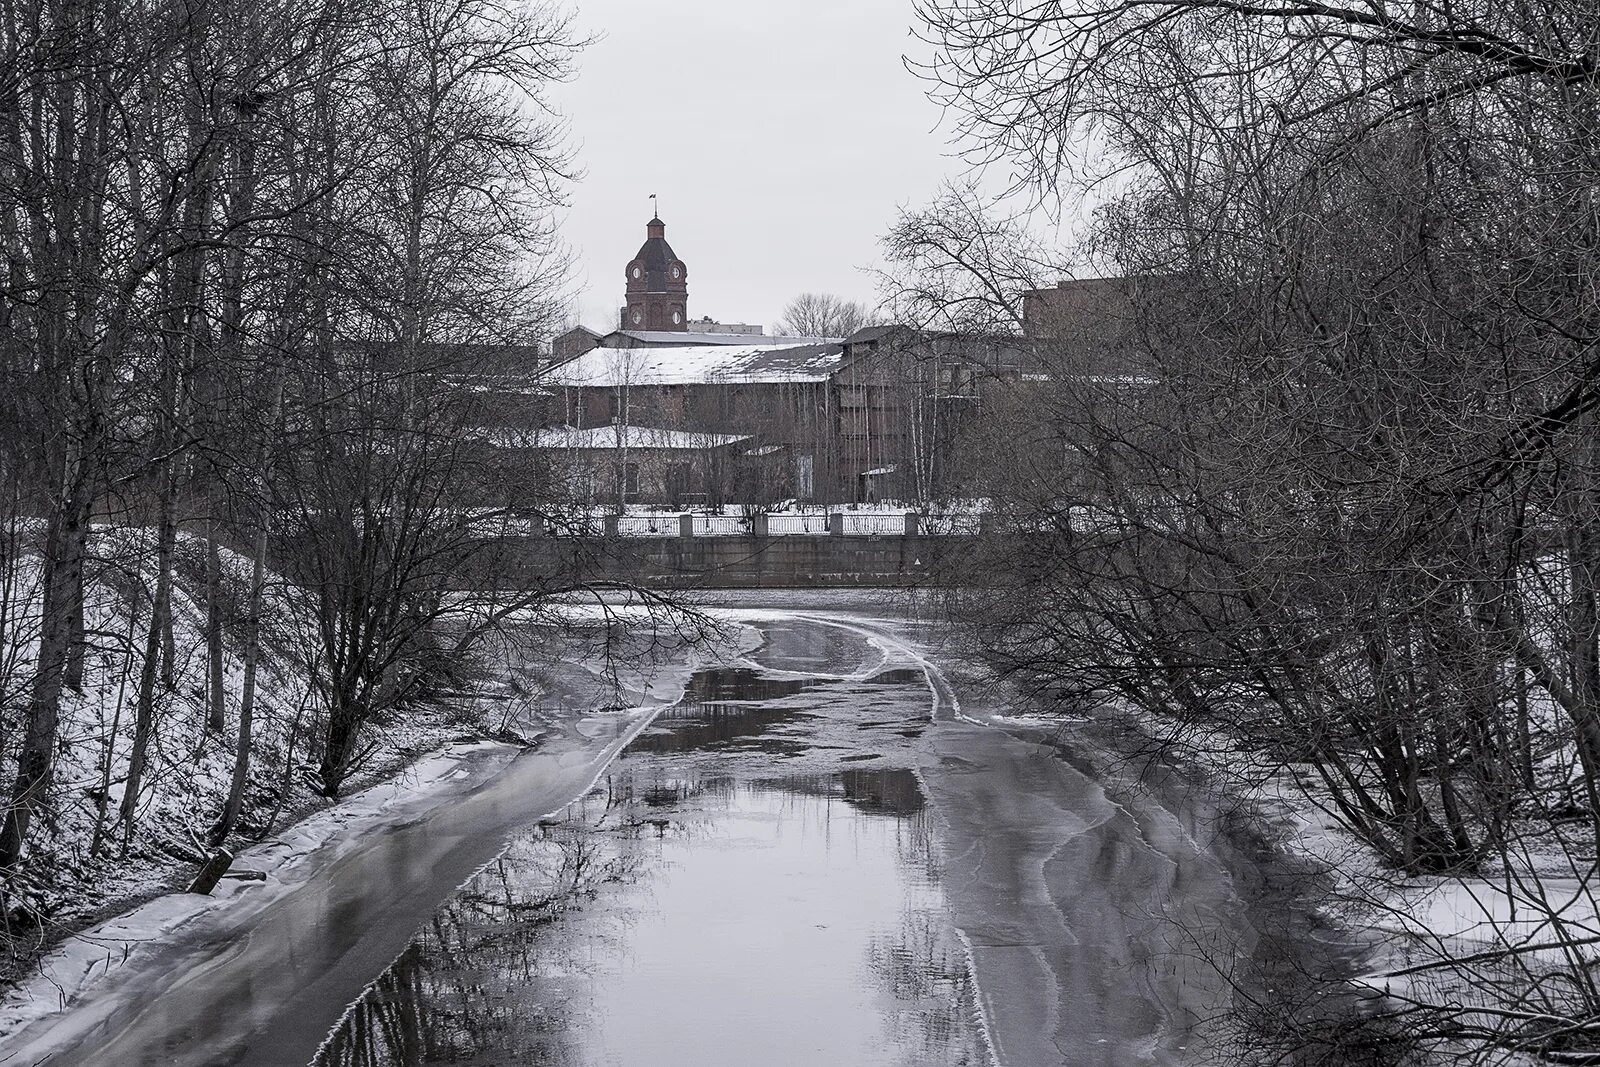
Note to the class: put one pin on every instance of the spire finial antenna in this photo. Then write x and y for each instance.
(655, 212)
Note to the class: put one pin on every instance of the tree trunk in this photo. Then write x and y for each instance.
(247, 695)
(211, 872)
(158, 634)
(252, 633)
(169, 648)
(216, 719)
(1524, 735)
(336, 753)
(63, 592)
(77, 640)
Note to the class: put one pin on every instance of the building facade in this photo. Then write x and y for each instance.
(885, 414)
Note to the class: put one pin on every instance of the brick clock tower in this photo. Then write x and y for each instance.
(658, 285)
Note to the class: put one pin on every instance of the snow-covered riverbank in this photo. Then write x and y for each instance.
(260, 875)
(115, 920)
(411, 839)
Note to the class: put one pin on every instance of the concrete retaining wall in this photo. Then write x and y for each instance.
(790, 562)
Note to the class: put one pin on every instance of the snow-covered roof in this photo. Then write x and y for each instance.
(684, 338)
(610, 437)
(697, 365)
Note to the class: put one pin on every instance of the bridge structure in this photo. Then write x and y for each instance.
(815, 550)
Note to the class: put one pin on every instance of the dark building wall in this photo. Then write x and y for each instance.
(797, 416)
(910, 401)
(889, 411)
(1094, 326)
(575, 342)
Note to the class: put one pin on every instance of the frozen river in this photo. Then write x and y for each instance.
(827, 850)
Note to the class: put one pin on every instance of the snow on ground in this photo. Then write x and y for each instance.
(1480, 910)
(78, 869)
(1449, 943)
(561, 697)
(88, 957)
(82, 865)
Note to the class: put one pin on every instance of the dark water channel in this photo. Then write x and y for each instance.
(750, 884)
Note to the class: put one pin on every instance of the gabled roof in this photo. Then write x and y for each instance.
(697, 365)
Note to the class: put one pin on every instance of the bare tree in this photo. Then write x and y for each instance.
(1341, 507)
(822, 315)
(251, 254)
(451, 207)
(962, 264)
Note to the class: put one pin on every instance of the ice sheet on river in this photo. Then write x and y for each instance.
(1096, 929)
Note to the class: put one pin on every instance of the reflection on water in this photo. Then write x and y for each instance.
(725, 708)
(898, 676)
(703, 920)
(893, 790)
(761, 880)
(737, 684)
(694, 910)
(882, 790)
(453, 996)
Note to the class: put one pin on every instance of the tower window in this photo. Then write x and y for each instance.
(636, 272)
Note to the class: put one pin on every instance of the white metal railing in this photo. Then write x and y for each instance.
(817, 523)
(806, 522)
(720, 525)
(575, 525)
(873, 523)
(648, 526)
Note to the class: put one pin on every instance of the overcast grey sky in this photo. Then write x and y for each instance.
(780, 135)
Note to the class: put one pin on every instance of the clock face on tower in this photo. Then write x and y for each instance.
(677, 272)
(636, 272)
(637, 318)
(677, 317)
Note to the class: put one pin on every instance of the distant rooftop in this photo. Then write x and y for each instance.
(690, 337)
(707, 324)
(699, 365)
